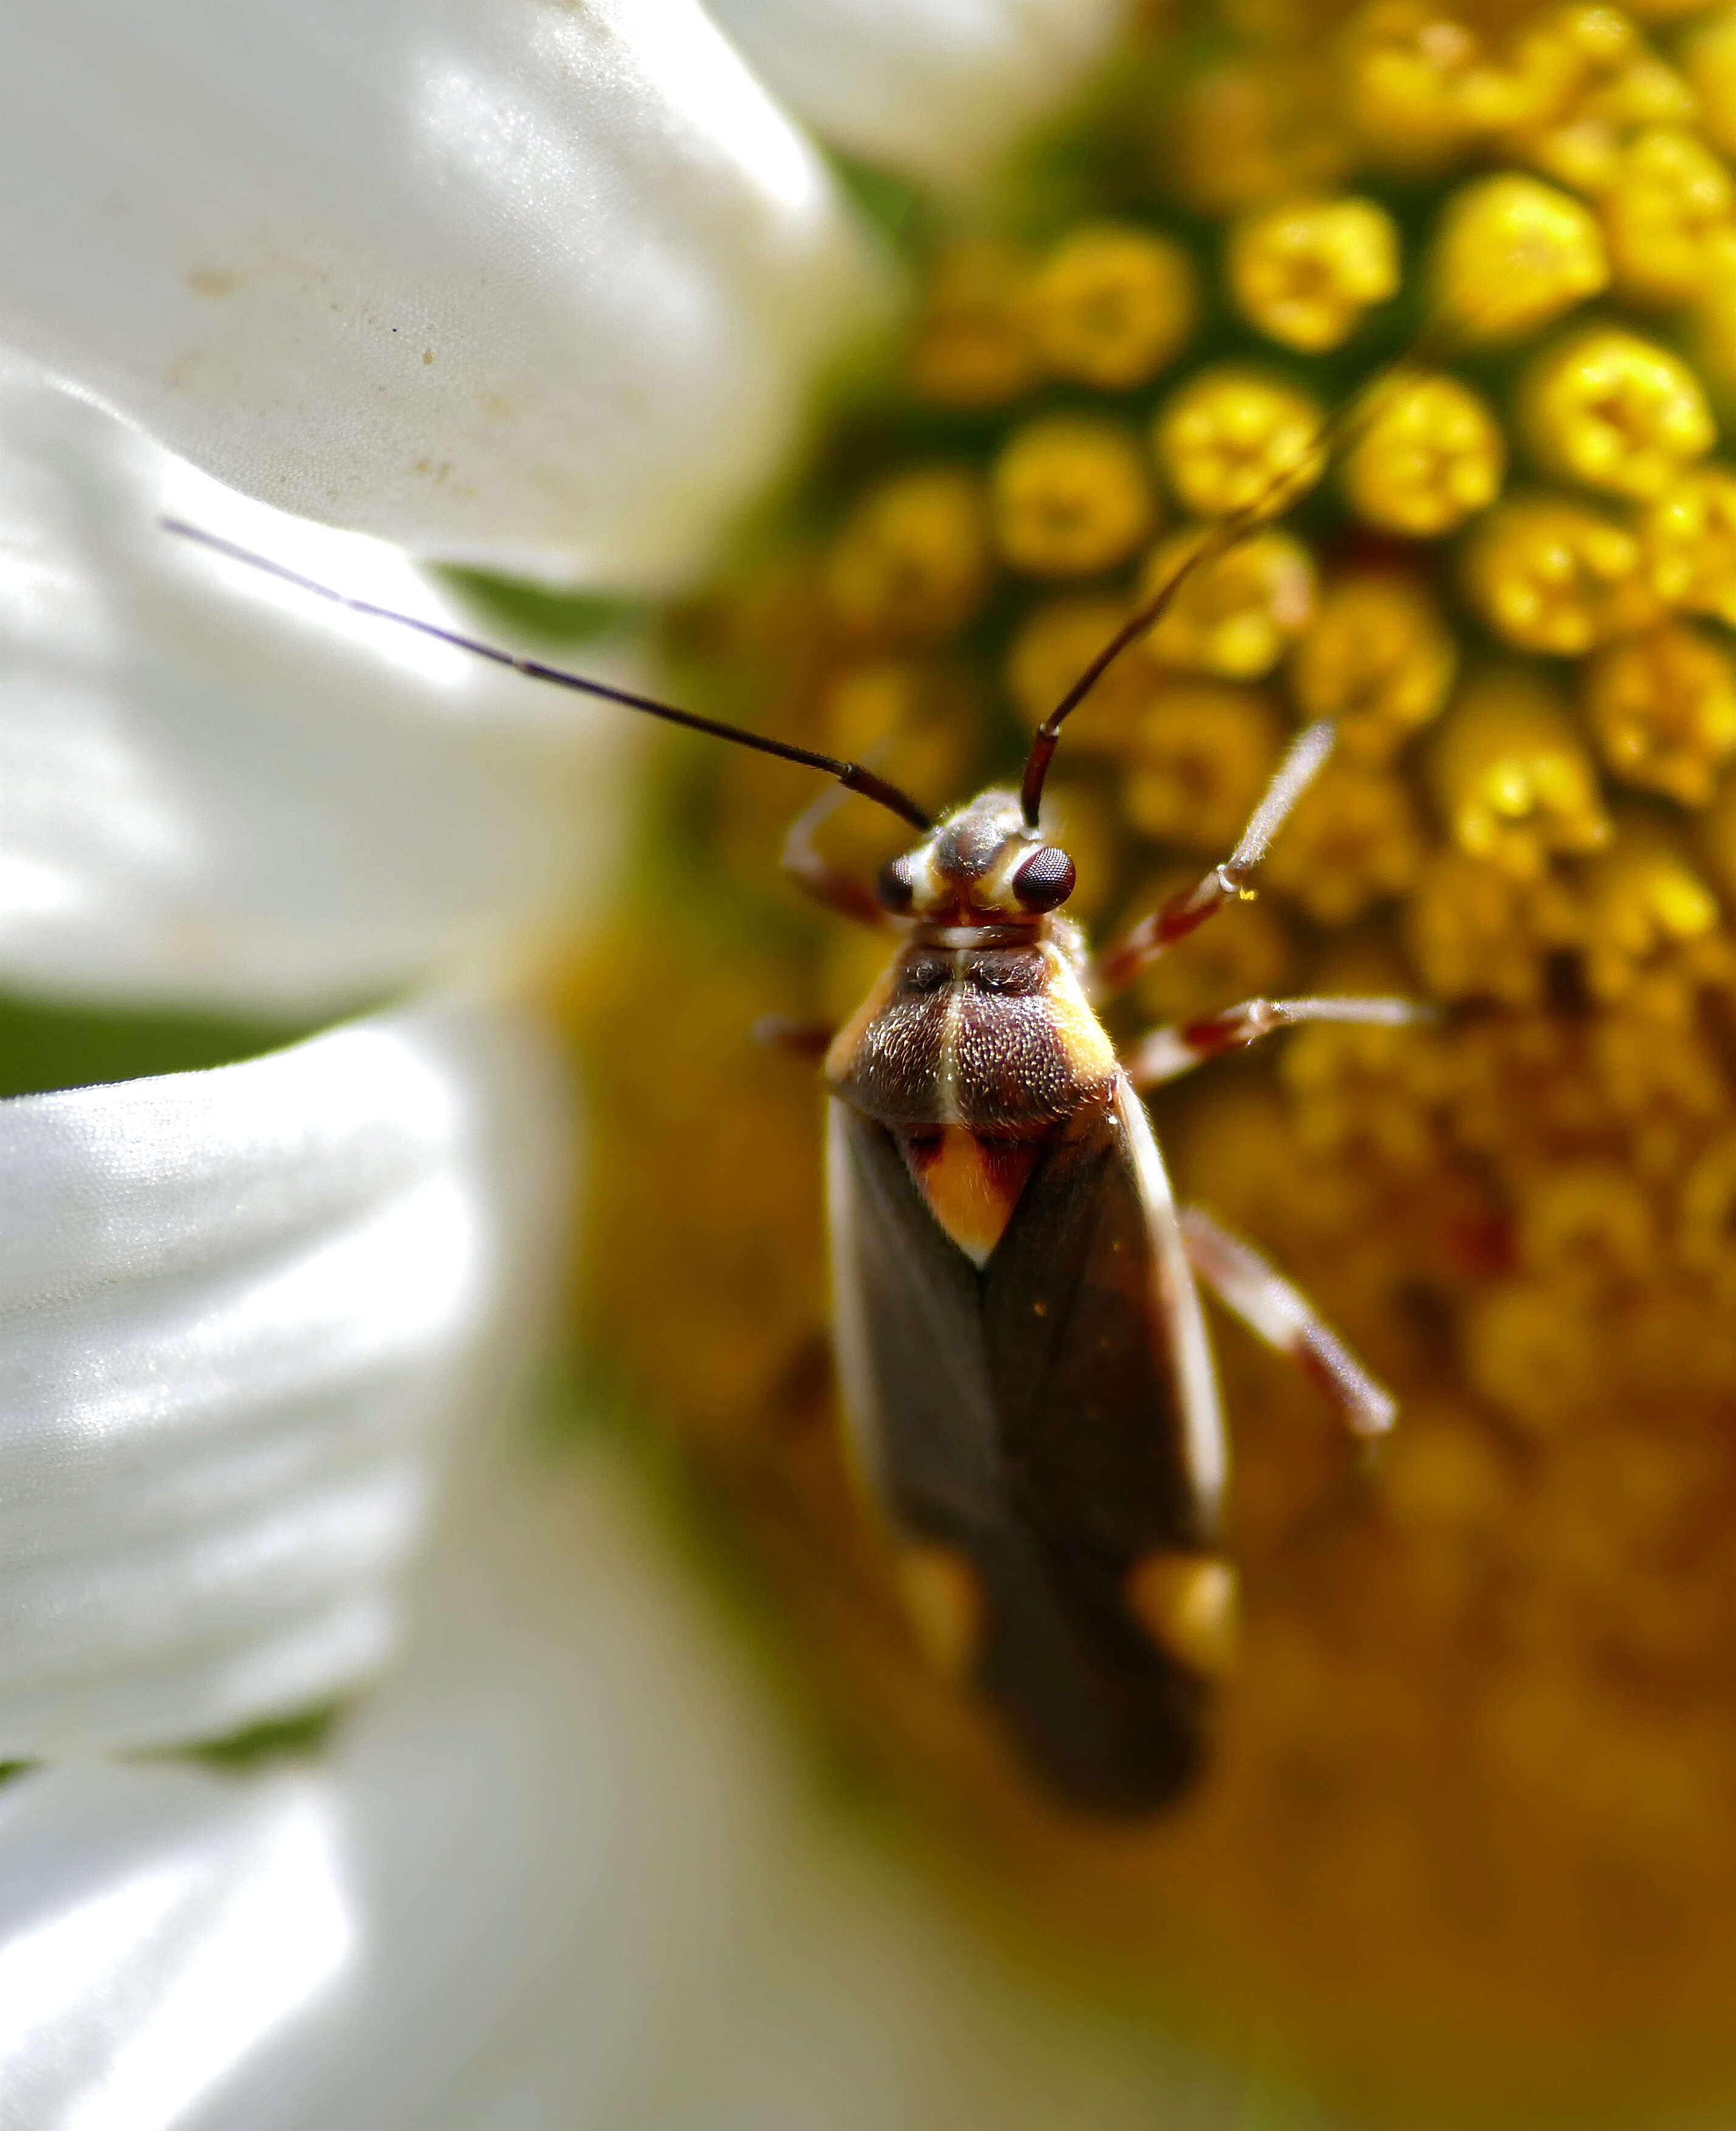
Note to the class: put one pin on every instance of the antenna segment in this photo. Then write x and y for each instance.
(852, 776)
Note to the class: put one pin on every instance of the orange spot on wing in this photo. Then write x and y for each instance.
(971, 1185)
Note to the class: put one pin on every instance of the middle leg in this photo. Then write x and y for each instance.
(1166, 1053)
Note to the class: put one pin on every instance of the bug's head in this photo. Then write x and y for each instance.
(979, 866)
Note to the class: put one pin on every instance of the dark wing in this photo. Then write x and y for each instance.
(1110, 1427)
(1054, 1417)
(907, 1324)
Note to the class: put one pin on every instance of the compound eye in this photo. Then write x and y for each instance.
(1045, 879)
(896, 888)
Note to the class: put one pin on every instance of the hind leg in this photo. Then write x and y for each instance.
(1283, 1317)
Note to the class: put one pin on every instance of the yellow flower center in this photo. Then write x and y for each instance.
(1418, 323)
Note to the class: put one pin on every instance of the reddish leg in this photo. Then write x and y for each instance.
(1154, 936)
(1281, 1315)
(1166, 1053)
(803, 859)
(800, 1039)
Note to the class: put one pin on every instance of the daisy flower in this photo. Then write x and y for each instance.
(329, 1803)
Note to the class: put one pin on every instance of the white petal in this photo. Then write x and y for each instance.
(214, 789)
(596, 1886)
(242, 1310)
(156, 1925)
(935, 88)
(541, 280)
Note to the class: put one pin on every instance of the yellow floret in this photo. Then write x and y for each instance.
(1071, 497)
(1514, 782)
(911, 562)
(1616, 412)
(1420, 85)
(1305, 272)
(1233, 440)
(974, 347)
(1594, 83)
(1551, 576)
(1690, 540)
(1478, 932)
(1201, 758)
(1670, 217)
(1589, 1224)
(1112, 306)
(1531, 1347)
(1663, 706)
(1352, 839)
(1235, 615)
(1663, 1095)
(1378, 659)
(1426, 456)
(1652, 940)
(1513, 253)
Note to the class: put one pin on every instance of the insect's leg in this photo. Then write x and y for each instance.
(803, 860)
(1280, 1314)
(1154, 936)
(1166, 1053)
(801, 1039)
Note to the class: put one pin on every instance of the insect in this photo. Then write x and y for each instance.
(1019, 1337)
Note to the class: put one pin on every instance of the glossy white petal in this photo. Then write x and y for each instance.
(596, 1886)
(215, 789)
(935, 88)
(156, 1926)
(240, 1312)
(539, 280)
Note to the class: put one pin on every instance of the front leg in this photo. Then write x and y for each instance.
(809, 1040)
(1166, 1053)
(803, 860)
(1283, 1317)
(1154, 936)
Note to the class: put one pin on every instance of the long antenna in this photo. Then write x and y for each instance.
(854, 776)
(1440, 333)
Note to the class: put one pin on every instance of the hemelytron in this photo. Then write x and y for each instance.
(1020, 1343)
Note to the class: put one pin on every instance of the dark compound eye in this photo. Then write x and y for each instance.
(1045, 879)
(895, 887)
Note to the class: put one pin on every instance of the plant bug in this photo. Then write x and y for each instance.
(1019, 1337)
